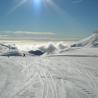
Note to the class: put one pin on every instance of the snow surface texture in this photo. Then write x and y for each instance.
(70, 73)
(10, 77)
(49, 77)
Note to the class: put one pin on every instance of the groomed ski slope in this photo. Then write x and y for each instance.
(49, 77)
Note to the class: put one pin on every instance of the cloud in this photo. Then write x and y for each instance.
(52, 47)
(26, 35)
(27, 32)
(34, 33)
(3, 35)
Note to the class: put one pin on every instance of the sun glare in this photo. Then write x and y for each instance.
(37, 4)
(37, 1)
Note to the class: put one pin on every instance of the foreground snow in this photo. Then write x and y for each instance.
(50, 76)
(84, 52)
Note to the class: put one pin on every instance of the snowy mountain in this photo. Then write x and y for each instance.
(3, 48)
(9, 50)
(91, 41)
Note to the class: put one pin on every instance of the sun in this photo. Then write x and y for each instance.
(36, 4)
(37, 1)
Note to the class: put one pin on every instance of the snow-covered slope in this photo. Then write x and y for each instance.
(49, 77)
(91, 41)
(78, 52)
(70, 73)
(10, 77)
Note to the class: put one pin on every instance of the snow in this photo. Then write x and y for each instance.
(91, 41)
(9, 77)
(64, 72)
(49, 77)
(3, 48)
(9, 50)
(79, 52)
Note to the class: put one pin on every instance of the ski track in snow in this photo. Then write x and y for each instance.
(49, 77)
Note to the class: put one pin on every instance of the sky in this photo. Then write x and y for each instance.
(48, 19)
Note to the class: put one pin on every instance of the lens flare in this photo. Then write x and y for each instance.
(54, 6)
(37, 4)
(17, 6)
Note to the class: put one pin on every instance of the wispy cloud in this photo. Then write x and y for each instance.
(27, 32)
(26, 35)
(3, 35)
(34, 33)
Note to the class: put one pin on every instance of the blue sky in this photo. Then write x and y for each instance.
(64, 19)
